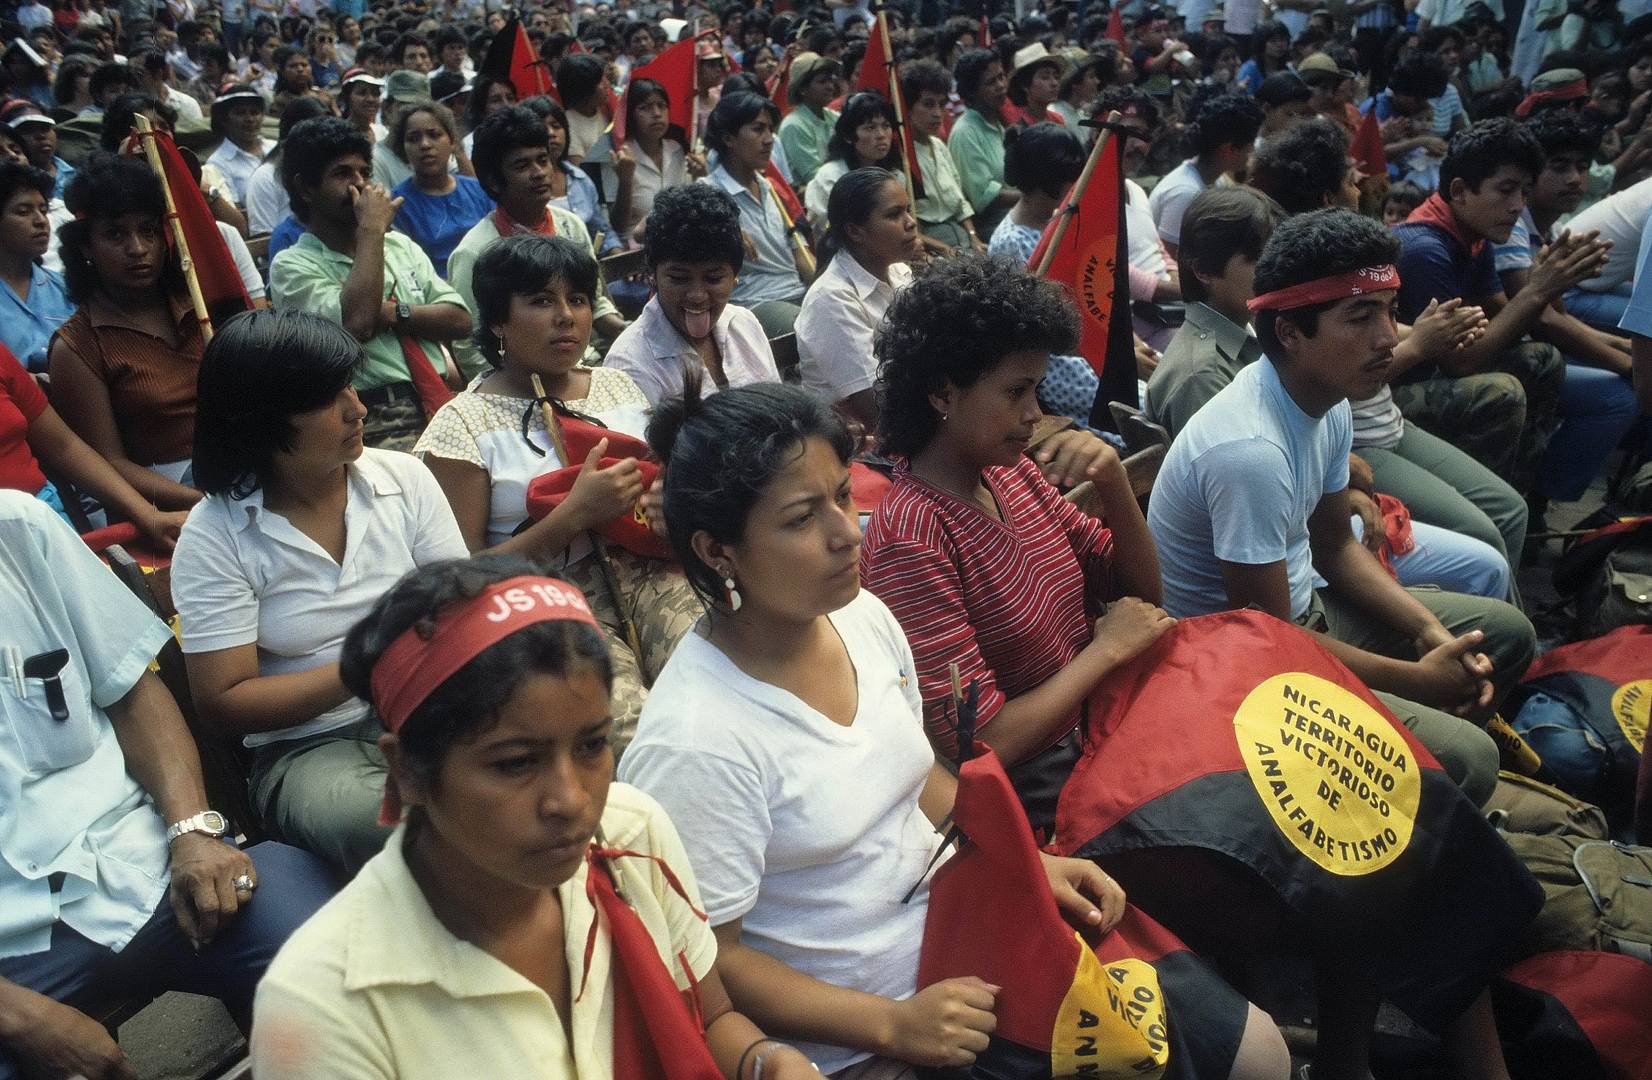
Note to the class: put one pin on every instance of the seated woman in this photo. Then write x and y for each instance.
(659, 152)
(870, 234)
(1041, 162)
(695, 254)
(533, 316)
(302, 531)
(987, 567)
(33, 300)
(1035, 86)
(123, 367)
(571, 186)
(494, 931)
(794, 702)
(438, 207)
(488, 94)
(864, 137)
(945, 217)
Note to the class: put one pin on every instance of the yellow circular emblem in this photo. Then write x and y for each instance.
(1632, 708)
(1336, 776)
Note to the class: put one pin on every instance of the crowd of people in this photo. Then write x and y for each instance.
(516, 532)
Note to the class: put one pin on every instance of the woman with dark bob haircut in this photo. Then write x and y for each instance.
(864, 137)
(519, 865)
(301, 532)
(490, 443)
(793, 701)
(123, 366)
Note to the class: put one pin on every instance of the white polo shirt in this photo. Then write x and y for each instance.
(835, 326)
(655, 355)
(244, 575)
(67, 804)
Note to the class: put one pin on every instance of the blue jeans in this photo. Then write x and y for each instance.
(1601, 310)
(1597, 408)
(292, 884)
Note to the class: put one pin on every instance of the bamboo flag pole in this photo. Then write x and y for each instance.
(1064, 215)
(899, 107)
(152, 154)
(599, 550)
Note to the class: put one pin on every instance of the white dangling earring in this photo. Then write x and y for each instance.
(733, 594)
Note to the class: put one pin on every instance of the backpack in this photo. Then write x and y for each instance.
(1597, 895)
(1607, 570)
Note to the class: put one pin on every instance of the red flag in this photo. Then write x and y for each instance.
(1115, 26)
(512, 57)
(215, 270)
(783, 191)
(1087, 252)
(780, 86)
(879, 59)
(673, 69)
(1366, 149)
(985, 33)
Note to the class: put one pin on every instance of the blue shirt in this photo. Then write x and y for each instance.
(65, 173)
(583, 203)
(284, 236)
(1637, 318)
(26, 327)
(1435, 266)
(1238, 486)
(438, 222)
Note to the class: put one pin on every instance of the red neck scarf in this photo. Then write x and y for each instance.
(508, 225)
(1437, 212)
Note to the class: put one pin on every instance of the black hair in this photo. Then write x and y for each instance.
(694, 223)
(515, 128)
(1422, 75)
(1282, 89)
(638, 92)
(1103, 64)
(919, 77)
(1405, 193)
(546, 108)
(578, 77)
(1435, 36)
(1225, 120)
(298, 110)
(450, 35)
(1311, 246)
(282, 55)
(521, 266)
(1044, 157)
(953, 324)
(466, 705)
(104, 188)
(68, 72)
(119, 119)
(310, 148)
(853, 200)
(735, 111)
(862, 108)
(216, 52)
(1022, 79)
(220, 108)
(111, 73)
(821, 39)
(744, 82)
(15, 177)
(1129, 99)
(1560, 131)
(1479, 150)
(721, 452)
(260, 370)
(1219, 223)
(1303, 166)
(443, 115)
(481, 87)
(971, 70)
(408, 41)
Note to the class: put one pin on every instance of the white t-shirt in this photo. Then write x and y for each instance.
(1619, 219)
(244, 575)
(656, 356)
(1170, 198)
(1146, 250)
(267, 201)
(807, 830)
(251, 279)
(583, 132)
(840, 313)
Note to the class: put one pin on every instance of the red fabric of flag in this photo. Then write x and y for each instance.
(512, 57)
(1366, 149)
(874, 69)
(1115, 27)
(215, 270)
(674, 70)
(783, 191)
(985, 33)
(780, 86)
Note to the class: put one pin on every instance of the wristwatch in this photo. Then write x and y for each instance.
(210, 822)
(404, 314)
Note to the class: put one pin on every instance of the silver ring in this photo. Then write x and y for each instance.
(244, 883)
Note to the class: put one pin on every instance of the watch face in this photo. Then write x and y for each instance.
(214, 821)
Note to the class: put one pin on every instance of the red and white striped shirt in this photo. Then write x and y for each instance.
(1010, 602)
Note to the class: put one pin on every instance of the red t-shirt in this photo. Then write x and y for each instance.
(21, 403)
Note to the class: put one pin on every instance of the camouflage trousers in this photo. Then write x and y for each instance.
(662, 605)
(1502, 417)
(393, 425)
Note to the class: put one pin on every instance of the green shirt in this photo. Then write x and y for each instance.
(977, 146)
(1203, 357)
(309, 276)
(804, 134)
(461, 264)
(943, 198)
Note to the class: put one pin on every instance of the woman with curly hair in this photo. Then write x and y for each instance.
(695, 253)
(863, 138)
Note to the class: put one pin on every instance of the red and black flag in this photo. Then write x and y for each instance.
(675, 69)
(1135, 1003)
(512, 58)
(1085, 249)
(878, 74)
(1580, 1015)
(1602, 688)
(579, 438)
(1239, 745)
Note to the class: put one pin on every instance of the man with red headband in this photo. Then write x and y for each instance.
(1253, 499)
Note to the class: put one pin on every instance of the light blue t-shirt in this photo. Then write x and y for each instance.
(1637, 318)
(1239, 484)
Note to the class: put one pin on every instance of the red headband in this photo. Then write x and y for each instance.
(412, 667)
(1564, 92)
(1369, 279)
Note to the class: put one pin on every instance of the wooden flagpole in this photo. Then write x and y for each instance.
(152, 154)
(1064, 215)
(898, 105)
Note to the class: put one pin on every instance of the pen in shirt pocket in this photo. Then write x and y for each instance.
(14, 672)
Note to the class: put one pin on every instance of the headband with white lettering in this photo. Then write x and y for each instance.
(1325, 290)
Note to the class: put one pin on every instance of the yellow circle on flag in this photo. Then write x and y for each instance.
(1632, 708)
(1336, 776)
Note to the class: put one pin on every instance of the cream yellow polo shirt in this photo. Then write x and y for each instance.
(375, 986)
